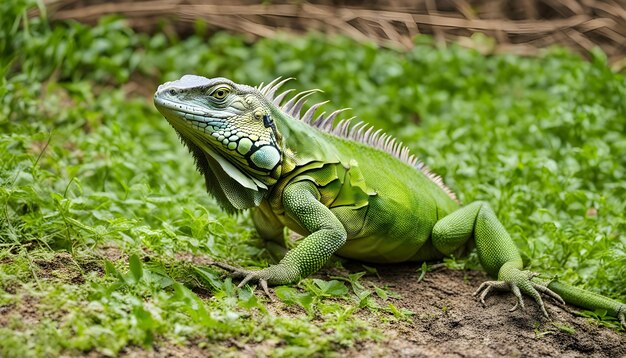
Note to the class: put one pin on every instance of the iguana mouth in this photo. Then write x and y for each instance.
(201, 122)
(162, 102)
(192, 113)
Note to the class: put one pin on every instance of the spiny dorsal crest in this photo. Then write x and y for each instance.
(361, 131)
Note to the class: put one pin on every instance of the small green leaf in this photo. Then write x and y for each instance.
(394, 310)
(136, 267)
(291, 296)
(423, 271)
(208, 276)
(110, 270)
(155, 272)
(381, 293)
(193, 305)
(146, 323)
(248, 300)
(371, 270)
(364, 299)
(402, 313)
(331, 288)
(564, 327)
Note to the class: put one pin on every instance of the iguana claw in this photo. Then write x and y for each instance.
(248, 276)
(517, 282)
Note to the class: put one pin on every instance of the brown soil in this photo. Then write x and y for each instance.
(450, 322)
(26, 312)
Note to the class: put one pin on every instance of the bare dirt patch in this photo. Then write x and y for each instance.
(22, 313)
(450, 322)
(63, 267)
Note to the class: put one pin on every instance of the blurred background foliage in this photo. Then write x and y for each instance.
(102, 212)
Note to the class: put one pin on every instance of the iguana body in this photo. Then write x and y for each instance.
(352, 191)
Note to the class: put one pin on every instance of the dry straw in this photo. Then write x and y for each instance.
(521, 26)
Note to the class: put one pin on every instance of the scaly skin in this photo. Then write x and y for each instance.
(352, 194)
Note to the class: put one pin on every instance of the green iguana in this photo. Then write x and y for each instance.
(352, 191)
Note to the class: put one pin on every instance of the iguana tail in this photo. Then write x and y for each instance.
(589, 300)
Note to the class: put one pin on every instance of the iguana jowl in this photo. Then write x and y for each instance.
(352, 191)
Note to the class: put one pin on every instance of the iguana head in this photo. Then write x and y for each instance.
(229, 129)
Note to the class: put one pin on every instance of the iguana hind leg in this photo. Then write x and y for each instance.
(496, 251)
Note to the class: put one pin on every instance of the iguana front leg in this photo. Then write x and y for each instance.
(301, 202)
(496, 251)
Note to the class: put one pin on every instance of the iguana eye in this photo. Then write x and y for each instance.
(221, 93)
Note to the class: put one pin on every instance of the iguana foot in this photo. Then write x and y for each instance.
(621, 316)
(247, 275)
(518, 282)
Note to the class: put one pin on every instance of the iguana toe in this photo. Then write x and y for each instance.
(253, 277)
(265, 288)
(518, 294)
(544, 289)
(234, 271)
(487, 286)
(519, 282)
(248, 276)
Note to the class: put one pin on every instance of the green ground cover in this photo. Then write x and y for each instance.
(102, 212)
